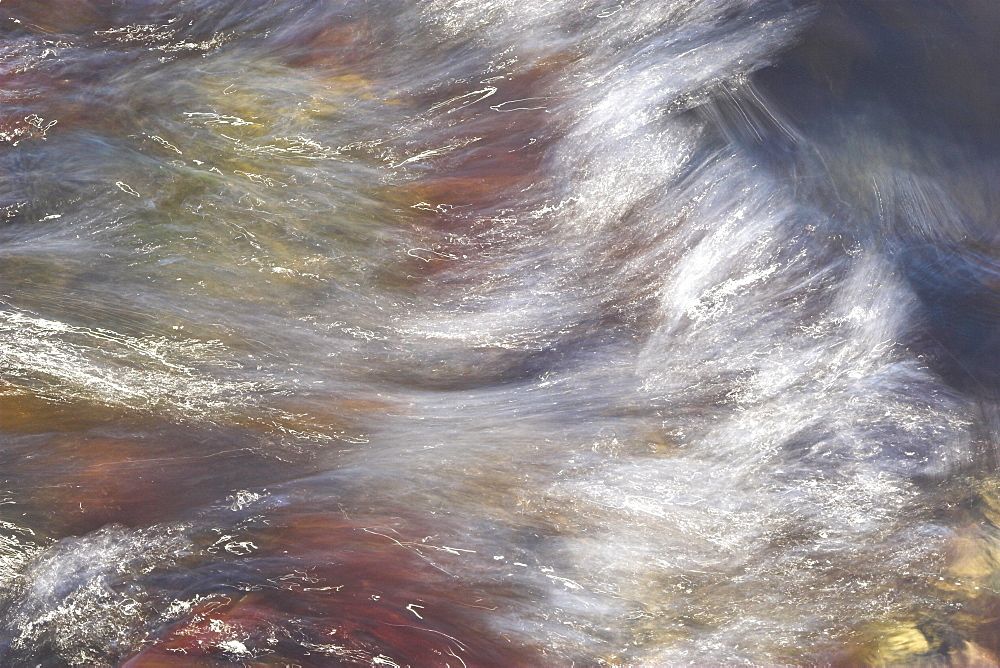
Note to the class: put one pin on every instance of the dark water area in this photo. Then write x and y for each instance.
(454, 333)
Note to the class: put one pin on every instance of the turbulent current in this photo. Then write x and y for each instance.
(499, 332)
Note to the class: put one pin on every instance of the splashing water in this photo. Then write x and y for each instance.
(460, 333)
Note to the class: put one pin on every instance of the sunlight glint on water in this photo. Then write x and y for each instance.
(463, 333)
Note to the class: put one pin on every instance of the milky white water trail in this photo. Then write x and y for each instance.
(499, 333)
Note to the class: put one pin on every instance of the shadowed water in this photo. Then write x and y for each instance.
(498, 333)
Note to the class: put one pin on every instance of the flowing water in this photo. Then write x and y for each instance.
(460, 332)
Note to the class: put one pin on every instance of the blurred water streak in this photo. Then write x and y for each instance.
(463, 333)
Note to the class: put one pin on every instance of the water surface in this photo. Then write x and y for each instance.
(475, 333)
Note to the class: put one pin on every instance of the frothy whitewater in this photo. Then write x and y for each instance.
(509, 333)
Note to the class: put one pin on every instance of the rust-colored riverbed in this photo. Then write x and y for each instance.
(453, 333)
